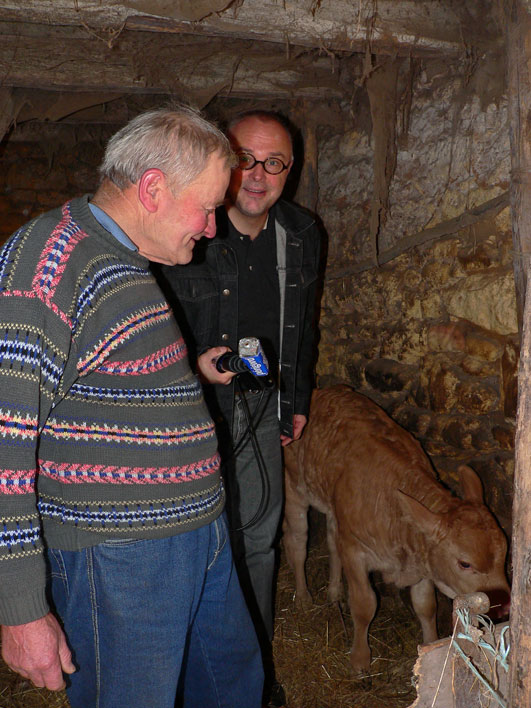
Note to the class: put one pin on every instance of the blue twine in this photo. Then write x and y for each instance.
(499, 655)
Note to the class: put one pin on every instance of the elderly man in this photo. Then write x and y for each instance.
(257, 278)
(110, 493)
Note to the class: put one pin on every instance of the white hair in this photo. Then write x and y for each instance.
(176, 140)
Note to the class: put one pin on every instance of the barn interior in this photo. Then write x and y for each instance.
(411, 150)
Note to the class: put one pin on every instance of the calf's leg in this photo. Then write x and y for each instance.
(362, 603)
(425, 606)
(295, 530)
(334, 584)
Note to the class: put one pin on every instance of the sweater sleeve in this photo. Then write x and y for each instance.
(34, 344)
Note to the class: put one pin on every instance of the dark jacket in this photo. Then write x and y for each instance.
(204, 295)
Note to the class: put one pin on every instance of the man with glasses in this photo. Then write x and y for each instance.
(256, 278)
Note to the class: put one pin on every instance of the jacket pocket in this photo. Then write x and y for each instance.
(308, 275)
(194, 289)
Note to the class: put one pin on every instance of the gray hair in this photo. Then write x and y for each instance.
(176, 140)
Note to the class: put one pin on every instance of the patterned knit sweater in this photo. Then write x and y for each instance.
(104, 431)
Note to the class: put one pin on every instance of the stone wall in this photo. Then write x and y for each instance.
(432, 334)
(42, 168)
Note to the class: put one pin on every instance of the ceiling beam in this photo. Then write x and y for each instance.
(413, 27)
(69, 58)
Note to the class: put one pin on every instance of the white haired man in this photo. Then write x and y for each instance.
(111, 501)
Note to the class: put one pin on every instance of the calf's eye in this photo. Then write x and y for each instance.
(463, 564)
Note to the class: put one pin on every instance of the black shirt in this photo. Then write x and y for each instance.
(258, 288)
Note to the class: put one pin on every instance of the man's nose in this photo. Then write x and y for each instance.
(258, 171)
(210, 230)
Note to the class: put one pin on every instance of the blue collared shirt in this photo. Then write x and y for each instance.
(111, 226)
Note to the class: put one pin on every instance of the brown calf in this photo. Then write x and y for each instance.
(387, 512)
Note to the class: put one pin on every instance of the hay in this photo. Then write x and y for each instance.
(16, 692)
(311, 649)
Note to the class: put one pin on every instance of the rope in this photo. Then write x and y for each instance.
(499, 653)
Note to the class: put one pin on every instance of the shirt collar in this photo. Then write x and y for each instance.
(270, 220)
(111, 226)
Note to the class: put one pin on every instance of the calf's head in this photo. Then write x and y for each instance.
(463, 547)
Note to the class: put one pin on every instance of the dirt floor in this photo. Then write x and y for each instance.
(311, 650)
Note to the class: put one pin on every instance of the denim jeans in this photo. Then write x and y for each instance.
(137, 612)
(254, 548)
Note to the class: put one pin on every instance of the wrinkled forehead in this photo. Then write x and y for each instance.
(256, 134)
(211, 183)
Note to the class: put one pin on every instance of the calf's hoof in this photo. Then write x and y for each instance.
(361, 665)
(303, 600)
(364, 681)
(335, 593)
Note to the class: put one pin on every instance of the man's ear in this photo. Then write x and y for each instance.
(150, 187)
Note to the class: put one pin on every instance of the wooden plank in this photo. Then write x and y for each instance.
(433, 674)
(520, 620)
(308, 186)
(6, 110)
(480, 677)
(381, 85)
(58, 106)
(443, 230)
(11, 103)
(417, 27)
(519, 73)
(519, 93)
(65, 59)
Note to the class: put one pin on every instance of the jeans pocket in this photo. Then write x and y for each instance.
(220, 528)
(119, 542)
(57, 568)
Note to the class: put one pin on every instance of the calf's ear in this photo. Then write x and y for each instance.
(471, 487)
(418, 514)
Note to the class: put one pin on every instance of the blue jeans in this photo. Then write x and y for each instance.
(254, 548)
(142, 615)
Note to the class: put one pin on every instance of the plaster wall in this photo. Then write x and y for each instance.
(432, 334)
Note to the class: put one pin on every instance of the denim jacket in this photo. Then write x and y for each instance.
(204, 296)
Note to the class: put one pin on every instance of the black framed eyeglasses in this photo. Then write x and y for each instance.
(272, 165)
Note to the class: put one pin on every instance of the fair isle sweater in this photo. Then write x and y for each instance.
(104, 430)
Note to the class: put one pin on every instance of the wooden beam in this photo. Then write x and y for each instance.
(519, 66)
(11, 103)
(520, 620)
(412, 27)
(66, 58)
(443, 230)
(308, 187)
(6, 110)
(519, 94)
(381, 85)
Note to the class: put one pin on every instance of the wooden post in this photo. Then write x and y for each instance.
(308, 186)
(11, 103)
(519, 94)
(519, 91)
(382, 90)
(7, 110)
(520, 621)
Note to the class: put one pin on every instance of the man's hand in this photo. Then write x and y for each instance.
(38, 651)
(206, 367)
(299, 421)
